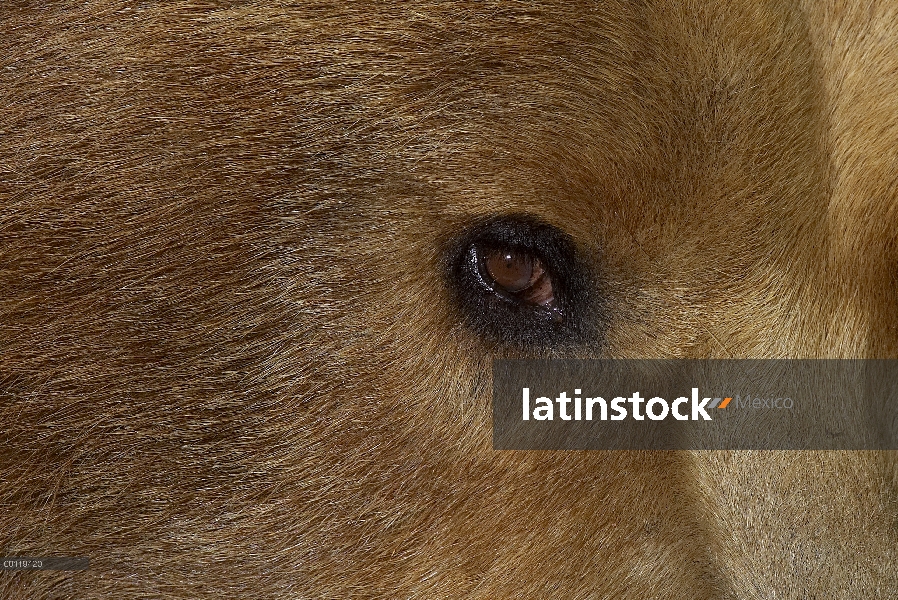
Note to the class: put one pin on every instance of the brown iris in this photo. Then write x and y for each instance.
(520, 274)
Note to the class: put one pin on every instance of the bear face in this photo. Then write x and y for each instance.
(249, 272)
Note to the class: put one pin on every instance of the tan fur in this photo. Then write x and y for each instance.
(230, 365)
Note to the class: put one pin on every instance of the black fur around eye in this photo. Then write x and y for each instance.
(522, 282)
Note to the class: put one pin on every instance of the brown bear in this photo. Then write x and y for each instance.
(242, 353)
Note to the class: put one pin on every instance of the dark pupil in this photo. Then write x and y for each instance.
(510, 269)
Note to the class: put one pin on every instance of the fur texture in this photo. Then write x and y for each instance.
(230, 362)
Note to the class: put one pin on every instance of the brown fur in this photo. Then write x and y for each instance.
(229, 364)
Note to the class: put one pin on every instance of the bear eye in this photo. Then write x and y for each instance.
(522, 282)
(517, 274)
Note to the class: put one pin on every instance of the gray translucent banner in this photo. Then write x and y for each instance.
(54, 563)
(695, 404)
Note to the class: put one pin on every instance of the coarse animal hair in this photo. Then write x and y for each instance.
(232, 363)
